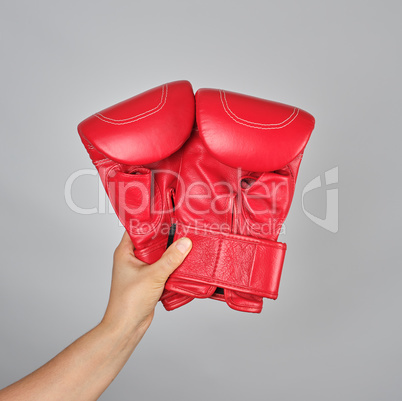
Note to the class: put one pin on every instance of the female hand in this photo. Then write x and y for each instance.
(86, 368)
(137, 286)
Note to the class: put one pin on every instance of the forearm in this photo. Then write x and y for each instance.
(82, 371)
(85, 369)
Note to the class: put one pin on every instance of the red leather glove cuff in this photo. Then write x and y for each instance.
(231, 261)
(151, 253)
(172, 300)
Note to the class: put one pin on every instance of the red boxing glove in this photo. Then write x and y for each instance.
(135, 146)
(234, 193)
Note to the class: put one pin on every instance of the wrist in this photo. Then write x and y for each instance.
(126, 333)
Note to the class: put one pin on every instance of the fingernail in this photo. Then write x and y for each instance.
(183, 245)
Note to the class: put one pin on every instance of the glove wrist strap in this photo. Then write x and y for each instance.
(231, 261)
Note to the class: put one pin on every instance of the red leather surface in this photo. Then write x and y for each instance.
(135, 146)
(251, 133)
(145, 128)
(231, 261)
(232, 183)
(236, 186)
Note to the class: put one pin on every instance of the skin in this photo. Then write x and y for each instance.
(85, 369)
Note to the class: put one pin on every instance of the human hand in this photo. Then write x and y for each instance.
(137, 286)
(84, 369)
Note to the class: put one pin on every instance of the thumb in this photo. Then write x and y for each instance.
(172, 258)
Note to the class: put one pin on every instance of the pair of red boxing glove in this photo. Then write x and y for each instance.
(219, 168)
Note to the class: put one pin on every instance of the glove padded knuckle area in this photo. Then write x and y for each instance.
(251, 133)
(145, 128)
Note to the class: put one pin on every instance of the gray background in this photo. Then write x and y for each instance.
(335, 330)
